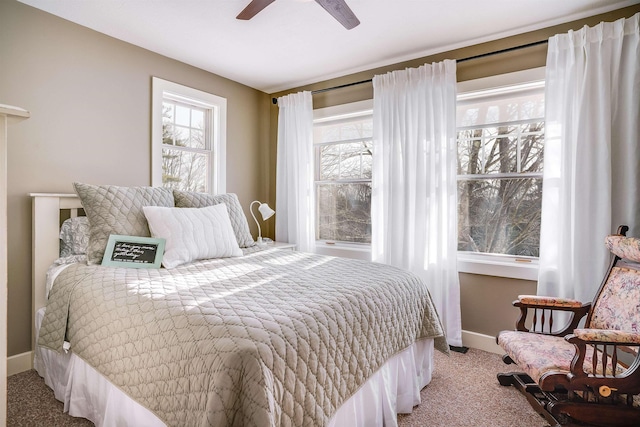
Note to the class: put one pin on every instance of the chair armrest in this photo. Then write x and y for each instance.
(597, 336)
(550, 302)
(602, 350)
(543, 308)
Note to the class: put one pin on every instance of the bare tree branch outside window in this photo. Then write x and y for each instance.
(343, 179)
(500, 179)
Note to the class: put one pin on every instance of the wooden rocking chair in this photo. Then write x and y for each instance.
(589, 375)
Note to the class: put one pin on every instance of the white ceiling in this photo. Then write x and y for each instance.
(296, 42)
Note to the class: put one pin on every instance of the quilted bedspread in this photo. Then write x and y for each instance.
(273, 338)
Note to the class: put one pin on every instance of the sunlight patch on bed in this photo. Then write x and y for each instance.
(317, 262)
(299, 258)
(246, 287)
(159, 287)
(284, 259)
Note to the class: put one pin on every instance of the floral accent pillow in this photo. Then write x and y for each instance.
(74, 236)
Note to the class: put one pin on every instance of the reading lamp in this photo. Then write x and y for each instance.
(265, 211)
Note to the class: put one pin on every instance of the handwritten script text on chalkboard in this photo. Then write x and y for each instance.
(134, 252)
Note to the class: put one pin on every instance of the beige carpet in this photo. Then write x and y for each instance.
(464, 392)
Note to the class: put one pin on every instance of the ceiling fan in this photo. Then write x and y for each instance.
(337, 8)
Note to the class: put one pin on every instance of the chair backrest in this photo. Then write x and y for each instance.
(617, 303)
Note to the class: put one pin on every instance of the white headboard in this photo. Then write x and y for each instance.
(46, 209)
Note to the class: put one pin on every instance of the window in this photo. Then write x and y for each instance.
(188, 138)
(500, 155)
(500, 159)
(343, 160)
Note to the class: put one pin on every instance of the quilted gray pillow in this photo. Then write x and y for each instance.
(189, 199)
(117, 210)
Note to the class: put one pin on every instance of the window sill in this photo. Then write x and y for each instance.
(487, 265)
(498, 265)
(345, 250)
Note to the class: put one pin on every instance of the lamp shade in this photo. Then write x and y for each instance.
(265, 211)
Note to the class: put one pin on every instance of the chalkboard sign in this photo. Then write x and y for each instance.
(133, 251)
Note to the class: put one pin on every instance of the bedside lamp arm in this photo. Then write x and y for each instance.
(256, 220)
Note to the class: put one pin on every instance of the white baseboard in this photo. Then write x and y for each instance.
(481, 342)
(19, 363)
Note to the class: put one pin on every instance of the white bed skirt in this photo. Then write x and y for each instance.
(394, 388)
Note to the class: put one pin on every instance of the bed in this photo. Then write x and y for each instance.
(268, 338)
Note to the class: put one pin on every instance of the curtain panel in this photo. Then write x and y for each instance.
(591, 180)
(295, 204)
(414, 187)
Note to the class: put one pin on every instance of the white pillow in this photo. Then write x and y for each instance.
(193, 233)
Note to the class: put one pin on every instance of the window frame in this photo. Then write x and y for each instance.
(330, 247)
(499, 265)
(216, 135)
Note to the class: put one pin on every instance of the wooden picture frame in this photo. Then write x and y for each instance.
(133, 252)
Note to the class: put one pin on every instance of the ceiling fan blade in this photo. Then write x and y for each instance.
(253, 8)
(341, 12)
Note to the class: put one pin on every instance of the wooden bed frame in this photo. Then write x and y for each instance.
(48, 210)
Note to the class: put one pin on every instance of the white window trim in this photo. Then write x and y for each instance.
(525, 268)
(217, 178)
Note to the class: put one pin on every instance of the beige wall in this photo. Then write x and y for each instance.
(89, 98)
(485, 301)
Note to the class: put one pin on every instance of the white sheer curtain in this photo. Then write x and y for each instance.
(414, 195)
(591, 160)
(295, 204)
